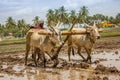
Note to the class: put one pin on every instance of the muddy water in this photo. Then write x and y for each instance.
(21, 72)
(108, 59)
(46, 74)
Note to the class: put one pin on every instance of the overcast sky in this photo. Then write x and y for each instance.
(28, 9)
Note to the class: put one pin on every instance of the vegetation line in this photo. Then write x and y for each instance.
(19, 28)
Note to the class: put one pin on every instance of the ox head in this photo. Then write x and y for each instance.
(56, 33)
(93, 32)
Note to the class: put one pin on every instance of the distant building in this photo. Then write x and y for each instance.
(66, 27)
(107, 24)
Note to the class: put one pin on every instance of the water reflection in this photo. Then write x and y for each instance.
(62, 74)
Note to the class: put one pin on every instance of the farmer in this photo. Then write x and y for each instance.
(39, 26)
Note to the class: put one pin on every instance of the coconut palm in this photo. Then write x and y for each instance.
(10, 26)
(1, 30)
(112, 20)
(36, 20)
(73, 16)
(56, 15)
(67, 19)
(83, 14)
(118, 18)
(22, 27)
(10, 23)
(50, 16)
(106, 18)
(99, 17)
(63, 14)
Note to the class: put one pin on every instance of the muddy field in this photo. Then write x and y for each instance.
(105, 65)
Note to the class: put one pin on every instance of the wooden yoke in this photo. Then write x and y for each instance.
(73, 32)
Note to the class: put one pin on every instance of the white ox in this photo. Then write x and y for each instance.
(86, 41)
(46, 43)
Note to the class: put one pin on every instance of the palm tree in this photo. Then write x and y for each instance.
(1, 30)
(67, 19)
(73, 16)
(112, 20)
(99, 17)
(83, 14)
(36, 20)
(56, 15)
(118, 18)
(63, 14)
(10, 25)
(22, 27)
(106, 18)
(50, 16)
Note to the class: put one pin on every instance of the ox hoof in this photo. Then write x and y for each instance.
(84, 60)
(56, 62)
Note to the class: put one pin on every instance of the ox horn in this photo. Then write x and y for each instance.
(86, 25)
(58, 24)
(94, 25)
(51, 28)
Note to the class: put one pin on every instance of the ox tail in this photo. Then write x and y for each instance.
(73, 53)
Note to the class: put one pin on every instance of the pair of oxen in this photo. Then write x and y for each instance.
(45, 41)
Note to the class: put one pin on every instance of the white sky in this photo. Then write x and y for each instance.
(28, 9)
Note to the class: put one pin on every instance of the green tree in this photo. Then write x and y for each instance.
(118, 18)
(50, 17)
(10, 26)
(83, 14)
(112, 20)
(21, 28)
(1, 30)
(36, 20)
(72, 16)
(56, 15)
(99, 17)
(10, 23)
(62, 13)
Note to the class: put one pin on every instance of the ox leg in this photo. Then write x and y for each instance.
(34, 56)
(49, 55)
(79, 52)
(55, 63)
(69, 46)
(38, 54)
(73, 52)
(26, 54)
(89, 55)
(69, 50)
(43, 58)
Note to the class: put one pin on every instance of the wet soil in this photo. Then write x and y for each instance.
(105, 65)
